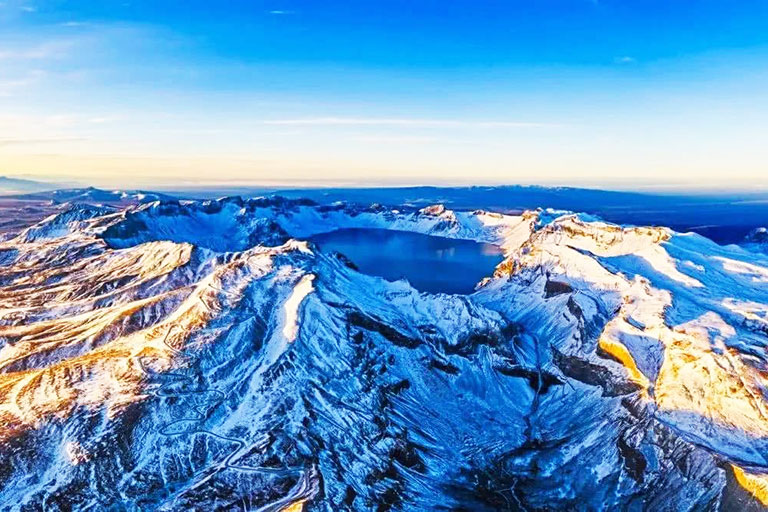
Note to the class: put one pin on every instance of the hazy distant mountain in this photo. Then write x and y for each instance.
(94, 195)
(18, 185)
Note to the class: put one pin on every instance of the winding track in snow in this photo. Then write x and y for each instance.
(307, 478)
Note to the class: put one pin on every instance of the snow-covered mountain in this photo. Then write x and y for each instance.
(92, 195)
(205, 356)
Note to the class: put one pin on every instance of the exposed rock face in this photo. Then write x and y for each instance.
(198, 356)
(757, 240)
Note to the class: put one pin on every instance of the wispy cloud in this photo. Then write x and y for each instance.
(279, 12)
(415, 122)
(64, 120)
(102, 119)
(396, 139)
(17, 141)
(624, 59)
(48, 50)
(76, 120)
(12, 86)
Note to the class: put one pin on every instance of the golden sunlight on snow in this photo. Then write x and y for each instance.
(756, 484)
(620, 352)
(700, 374)
(294, 507)
(89, 357)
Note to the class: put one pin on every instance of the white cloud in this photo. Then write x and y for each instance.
(49, 50)
(396, 139)
(626, 59)
(103, 119)
(11, 86)
(278, 12)
(415, 122)
(76, 120)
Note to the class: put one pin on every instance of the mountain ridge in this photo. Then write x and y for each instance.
(200, 355)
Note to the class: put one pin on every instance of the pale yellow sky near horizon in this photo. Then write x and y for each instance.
(113, 153)
(130, 171)
(69, 112)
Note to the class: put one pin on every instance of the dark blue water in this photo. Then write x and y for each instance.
(430, 263)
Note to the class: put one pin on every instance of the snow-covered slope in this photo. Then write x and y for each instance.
(202, 356)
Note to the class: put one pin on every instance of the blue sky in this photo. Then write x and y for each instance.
(579, 92)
